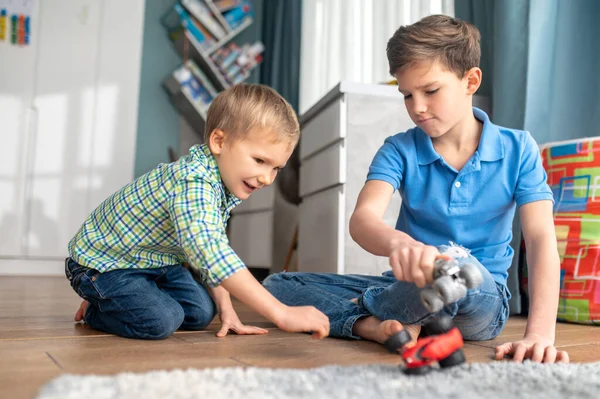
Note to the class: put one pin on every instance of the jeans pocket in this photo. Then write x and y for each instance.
(74, 272)
(91, 277)
(86, 287)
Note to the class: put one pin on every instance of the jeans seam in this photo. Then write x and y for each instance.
(345, 284)
(93, 284)
(486, 293)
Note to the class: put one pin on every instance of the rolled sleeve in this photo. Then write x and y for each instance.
(532, 183)
(195, 212)
(387, 165)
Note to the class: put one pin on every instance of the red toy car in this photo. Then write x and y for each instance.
(440, 342)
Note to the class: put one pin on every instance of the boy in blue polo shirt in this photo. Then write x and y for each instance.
(461, 178)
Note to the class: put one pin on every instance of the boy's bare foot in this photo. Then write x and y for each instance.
(373, 329)
(81, 311)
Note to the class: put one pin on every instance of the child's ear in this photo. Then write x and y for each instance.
(473, 80)
(216, 141)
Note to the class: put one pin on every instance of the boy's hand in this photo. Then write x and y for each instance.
(534, 347)
(244, 286)
(304, 319)
(231, 322)
(413, 263)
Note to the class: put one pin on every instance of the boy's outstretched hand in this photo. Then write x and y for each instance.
(304, 319)
(536, 348)
(231, 322)
(248, 290)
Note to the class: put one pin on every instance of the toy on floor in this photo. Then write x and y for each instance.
(450, 283)
(440, 342)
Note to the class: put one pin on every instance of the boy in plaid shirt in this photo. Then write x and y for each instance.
(130, 260)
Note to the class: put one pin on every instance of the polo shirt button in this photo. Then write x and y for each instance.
(457, 184)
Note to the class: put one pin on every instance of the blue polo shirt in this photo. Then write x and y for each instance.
(473, 207)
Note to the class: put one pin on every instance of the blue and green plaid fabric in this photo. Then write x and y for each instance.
(176, 213)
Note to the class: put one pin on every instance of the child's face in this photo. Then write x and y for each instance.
(436, 99)
(250, 163)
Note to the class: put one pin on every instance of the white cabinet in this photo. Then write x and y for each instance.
(340, 136)
(261, 229)
(58, 199)
(16, 125)
(251, 228)
(68, 106)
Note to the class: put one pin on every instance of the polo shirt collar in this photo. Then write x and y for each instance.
(490, 147)
(426, 154)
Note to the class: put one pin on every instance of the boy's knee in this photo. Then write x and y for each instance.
(161, 325)
(480, 334)
(272, 280)
(200, 317)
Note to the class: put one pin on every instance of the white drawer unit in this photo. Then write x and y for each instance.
(318, 133)
(320, 237)
(251, 228)
(340, 136)
(261, 229)
(254, 249)
(323, 169)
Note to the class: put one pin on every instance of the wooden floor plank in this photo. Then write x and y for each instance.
(21, 384)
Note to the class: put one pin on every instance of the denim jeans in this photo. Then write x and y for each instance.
(142, 303)
(480, 315)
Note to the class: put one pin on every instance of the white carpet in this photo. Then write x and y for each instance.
(489, 380)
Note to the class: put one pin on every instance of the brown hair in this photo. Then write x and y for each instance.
(243, 107)
(451, 41)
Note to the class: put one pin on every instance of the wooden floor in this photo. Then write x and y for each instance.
(39, 341)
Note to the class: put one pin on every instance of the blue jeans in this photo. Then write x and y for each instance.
(480, 315)
(142, 303)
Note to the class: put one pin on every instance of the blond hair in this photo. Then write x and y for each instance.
(244, 107)
(451, 41)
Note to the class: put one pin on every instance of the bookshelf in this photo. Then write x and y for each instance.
(202, 59)
(202, 32)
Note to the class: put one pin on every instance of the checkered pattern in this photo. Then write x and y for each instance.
(176, 213)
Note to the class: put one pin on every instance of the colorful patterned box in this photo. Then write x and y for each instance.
(573, 169)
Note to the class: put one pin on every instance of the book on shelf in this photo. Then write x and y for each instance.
(201, 77)
(236, 16)
(236, 63)
(202, 36)
(198, 94)
(199, 10)
(225, 5)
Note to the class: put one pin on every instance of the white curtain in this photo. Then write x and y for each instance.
(346, 40)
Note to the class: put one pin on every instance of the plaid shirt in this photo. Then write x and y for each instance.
(174, 214)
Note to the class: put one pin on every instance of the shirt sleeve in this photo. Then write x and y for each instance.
(195, 213)
(532, 182)
(387, 165)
